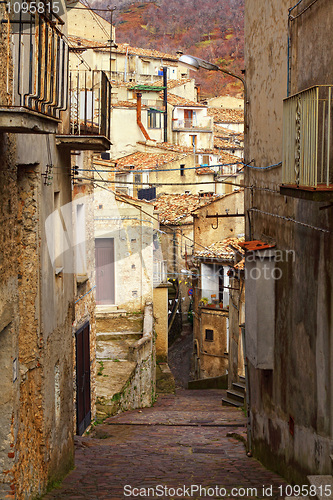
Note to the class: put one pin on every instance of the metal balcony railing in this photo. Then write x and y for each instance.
(203, 123)
(37, 61)
(159, 272)
(307, 138)
(89, 102)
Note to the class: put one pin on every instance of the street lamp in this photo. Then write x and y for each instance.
(196, 63)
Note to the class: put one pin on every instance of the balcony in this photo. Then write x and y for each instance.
(159, 272)
(89, 107)
(201, 124)
(307, 145)
(34, 63)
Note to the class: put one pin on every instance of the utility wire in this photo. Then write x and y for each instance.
(155, 218)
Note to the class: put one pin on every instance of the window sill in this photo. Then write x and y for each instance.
(81, 278)
(319, 193)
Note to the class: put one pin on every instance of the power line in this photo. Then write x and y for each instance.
(155, 218)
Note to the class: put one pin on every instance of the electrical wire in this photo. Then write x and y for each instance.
(290, 219)
(155, 218)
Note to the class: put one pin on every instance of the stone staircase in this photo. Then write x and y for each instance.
(236, 395)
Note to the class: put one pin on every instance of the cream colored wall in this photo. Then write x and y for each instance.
(235, 226)
(226, 101)
(160, 304)
(132, 231)
(82, 22)
(186, 90)
(125, 131)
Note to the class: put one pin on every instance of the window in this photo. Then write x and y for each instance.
(154, 119)
(205, 159)
(193, 139)
(182, 169)
(209, 335)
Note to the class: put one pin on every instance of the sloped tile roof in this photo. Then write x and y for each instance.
(204, 171)
(173, 147)
(177, 208)
(175, 100)
(139, 160)
(221, 115)
(224, 249)
(123, 48)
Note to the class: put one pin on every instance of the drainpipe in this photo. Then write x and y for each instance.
(165, 100)
(138, 116)
(125, 70)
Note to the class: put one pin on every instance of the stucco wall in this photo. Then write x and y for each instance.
(205, 234)
(132, 231)
(160, 304)
(291, 404)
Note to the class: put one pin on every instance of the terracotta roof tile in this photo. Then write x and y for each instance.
(175, 100)
(177, 208)
(224, 249)
(204, 171)
(173, 147)
(123, 48)
(139, 160)
(226, 115)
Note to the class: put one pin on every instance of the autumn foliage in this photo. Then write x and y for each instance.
(210, 29)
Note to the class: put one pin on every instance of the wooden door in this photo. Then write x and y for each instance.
(104, 258)
(83, 398)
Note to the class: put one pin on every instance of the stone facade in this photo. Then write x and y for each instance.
(290, 399)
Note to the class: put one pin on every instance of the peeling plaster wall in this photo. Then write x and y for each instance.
(298, 390)
(132, 231)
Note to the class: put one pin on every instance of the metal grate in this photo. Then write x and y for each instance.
(307, 139)
(90, 101)
(37, 62)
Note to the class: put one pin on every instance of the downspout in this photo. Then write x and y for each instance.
(247, 393)
(165, 100)
(138, 116)
(125, 70)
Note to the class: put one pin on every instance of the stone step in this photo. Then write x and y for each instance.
(239, 387)
(104, 336)
(237, 396)
(320, 482)
(231, 402)
(242, 379)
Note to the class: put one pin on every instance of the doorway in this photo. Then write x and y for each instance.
(83, 397)
(104, 257)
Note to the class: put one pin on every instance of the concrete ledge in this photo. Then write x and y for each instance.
(84, 142)
(22, 120)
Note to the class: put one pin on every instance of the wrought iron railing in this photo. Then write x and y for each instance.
(307, 138)
(89, 102)
(202, 123)
(36, 59)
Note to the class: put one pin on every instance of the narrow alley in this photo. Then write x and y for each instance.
(184, 440)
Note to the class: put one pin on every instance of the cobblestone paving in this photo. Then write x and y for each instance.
(184, 440)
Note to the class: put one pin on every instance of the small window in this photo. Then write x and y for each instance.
(182, 170)
(209, 337)
(154, 119)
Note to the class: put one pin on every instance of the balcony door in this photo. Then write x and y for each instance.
(188, 117)
(104, 258)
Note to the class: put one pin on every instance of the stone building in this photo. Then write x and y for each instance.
(289, 327)
(217, 228)
(37, 257)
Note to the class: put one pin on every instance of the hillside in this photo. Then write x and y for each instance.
(210, 29)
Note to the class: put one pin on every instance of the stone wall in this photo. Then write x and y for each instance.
(291, 404)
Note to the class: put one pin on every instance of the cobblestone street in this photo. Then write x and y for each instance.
(183, 440)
